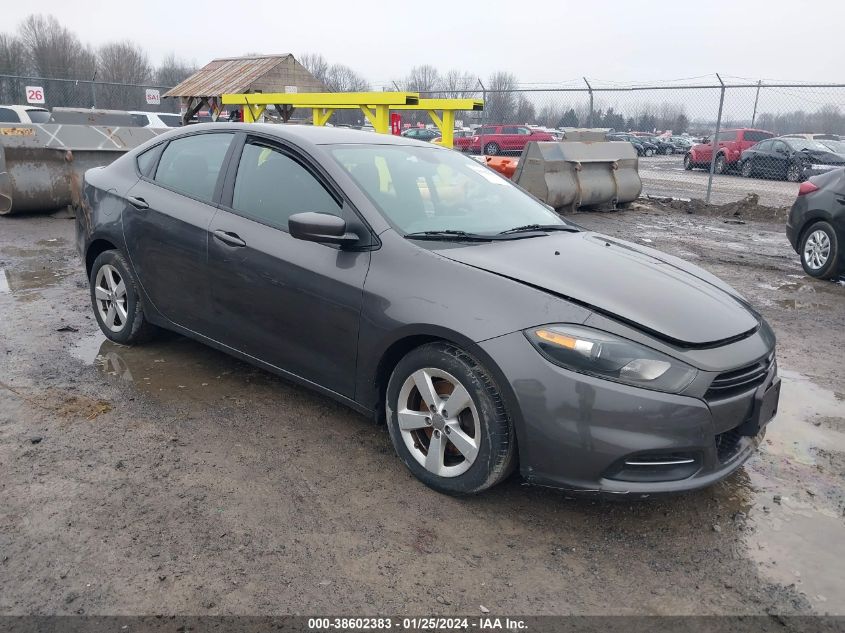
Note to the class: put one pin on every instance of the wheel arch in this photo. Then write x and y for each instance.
(404, 341)
(94, 250)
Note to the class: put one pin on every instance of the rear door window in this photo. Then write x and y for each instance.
(510, 129)
(765, 146)
(191, 164)
(271, 186)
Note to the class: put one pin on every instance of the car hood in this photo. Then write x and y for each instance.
(663, 295)
(824, 158)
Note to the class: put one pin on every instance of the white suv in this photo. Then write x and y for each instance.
(23, 114)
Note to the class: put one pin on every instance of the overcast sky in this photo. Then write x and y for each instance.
(552, 41)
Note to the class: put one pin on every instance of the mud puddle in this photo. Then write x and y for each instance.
(171, 368)
(25, 280)
(793, 495)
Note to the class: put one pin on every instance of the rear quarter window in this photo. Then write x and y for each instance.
(191, 164)
(38, 116)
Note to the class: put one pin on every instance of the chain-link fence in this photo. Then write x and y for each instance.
(671, 124)
(666, 122)
(84, 94)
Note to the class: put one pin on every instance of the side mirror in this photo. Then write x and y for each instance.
(320, 227)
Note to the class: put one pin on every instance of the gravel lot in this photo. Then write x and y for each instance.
(666, 176)
(173, 479)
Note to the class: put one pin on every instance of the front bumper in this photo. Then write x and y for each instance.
(581, 433)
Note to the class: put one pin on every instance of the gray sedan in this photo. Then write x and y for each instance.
(421, 288)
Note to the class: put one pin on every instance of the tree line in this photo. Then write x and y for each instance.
(42, 48)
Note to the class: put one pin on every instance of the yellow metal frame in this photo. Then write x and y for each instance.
(376, 107)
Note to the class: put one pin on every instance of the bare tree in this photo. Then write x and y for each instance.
(457, 84)
(54, 51)
(173, 70)
(316, 64)
(501, 100)
(123, 62)
(424, 79)
(12, 62)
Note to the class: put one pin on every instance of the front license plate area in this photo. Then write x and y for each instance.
(765, 408)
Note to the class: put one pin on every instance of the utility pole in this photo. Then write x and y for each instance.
(483, 117)
(715, 139)
(590, 90)
(756, 98)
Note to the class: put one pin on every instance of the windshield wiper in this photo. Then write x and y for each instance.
(540, 227)
(449, 235)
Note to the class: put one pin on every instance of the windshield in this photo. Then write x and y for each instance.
(803, 143)
(428, 189)
(836, 146)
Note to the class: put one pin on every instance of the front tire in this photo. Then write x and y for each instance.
(820, 251)
(721, 165)
(668, 151)
(649, 152)
(746, 169)
(793, 173)
(116, 300)
(448, 422)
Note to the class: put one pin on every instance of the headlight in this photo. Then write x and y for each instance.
(610, 357)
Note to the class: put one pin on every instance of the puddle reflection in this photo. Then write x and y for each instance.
(173, 366)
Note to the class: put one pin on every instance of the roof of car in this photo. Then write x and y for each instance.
(313, 134)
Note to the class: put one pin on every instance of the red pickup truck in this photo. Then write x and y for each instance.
(731, 144)
(497, 139)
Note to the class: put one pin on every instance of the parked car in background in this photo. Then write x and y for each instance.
(23, 114)
(816, 225)
(498, 139)
(421, 134)
(461, 139)
(420, 288)
(815, 136)
(789, 158)
(681, 144)
(156, 119)
(643, 147)
(664, 146)
(731, 144)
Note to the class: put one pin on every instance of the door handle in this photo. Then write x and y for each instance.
(138, 203)
(231, 239)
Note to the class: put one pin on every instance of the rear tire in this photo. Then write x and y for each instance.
(491, 149)
(821, 254)
(474, 443)
(721, 165)
(116, 300)
(668, 151)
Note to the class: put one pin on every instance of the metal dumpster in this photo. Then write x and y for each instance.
(576, 174)
(41, 166)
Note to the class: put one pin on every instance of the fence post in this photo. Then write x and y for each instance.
(715, 140)
(590, 90)
(756, 98)
(483, 118)
(94, 92)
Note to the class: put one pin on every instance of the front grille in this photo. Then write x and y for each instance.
(727, 444)
(742, 379)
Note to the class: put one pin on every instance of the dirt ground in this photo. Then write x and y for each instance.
(173, 479)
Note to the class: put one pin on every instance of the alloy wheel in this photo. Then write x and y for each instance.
(110, 294)
(793, 174)
(439, 422)
(817, 249)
